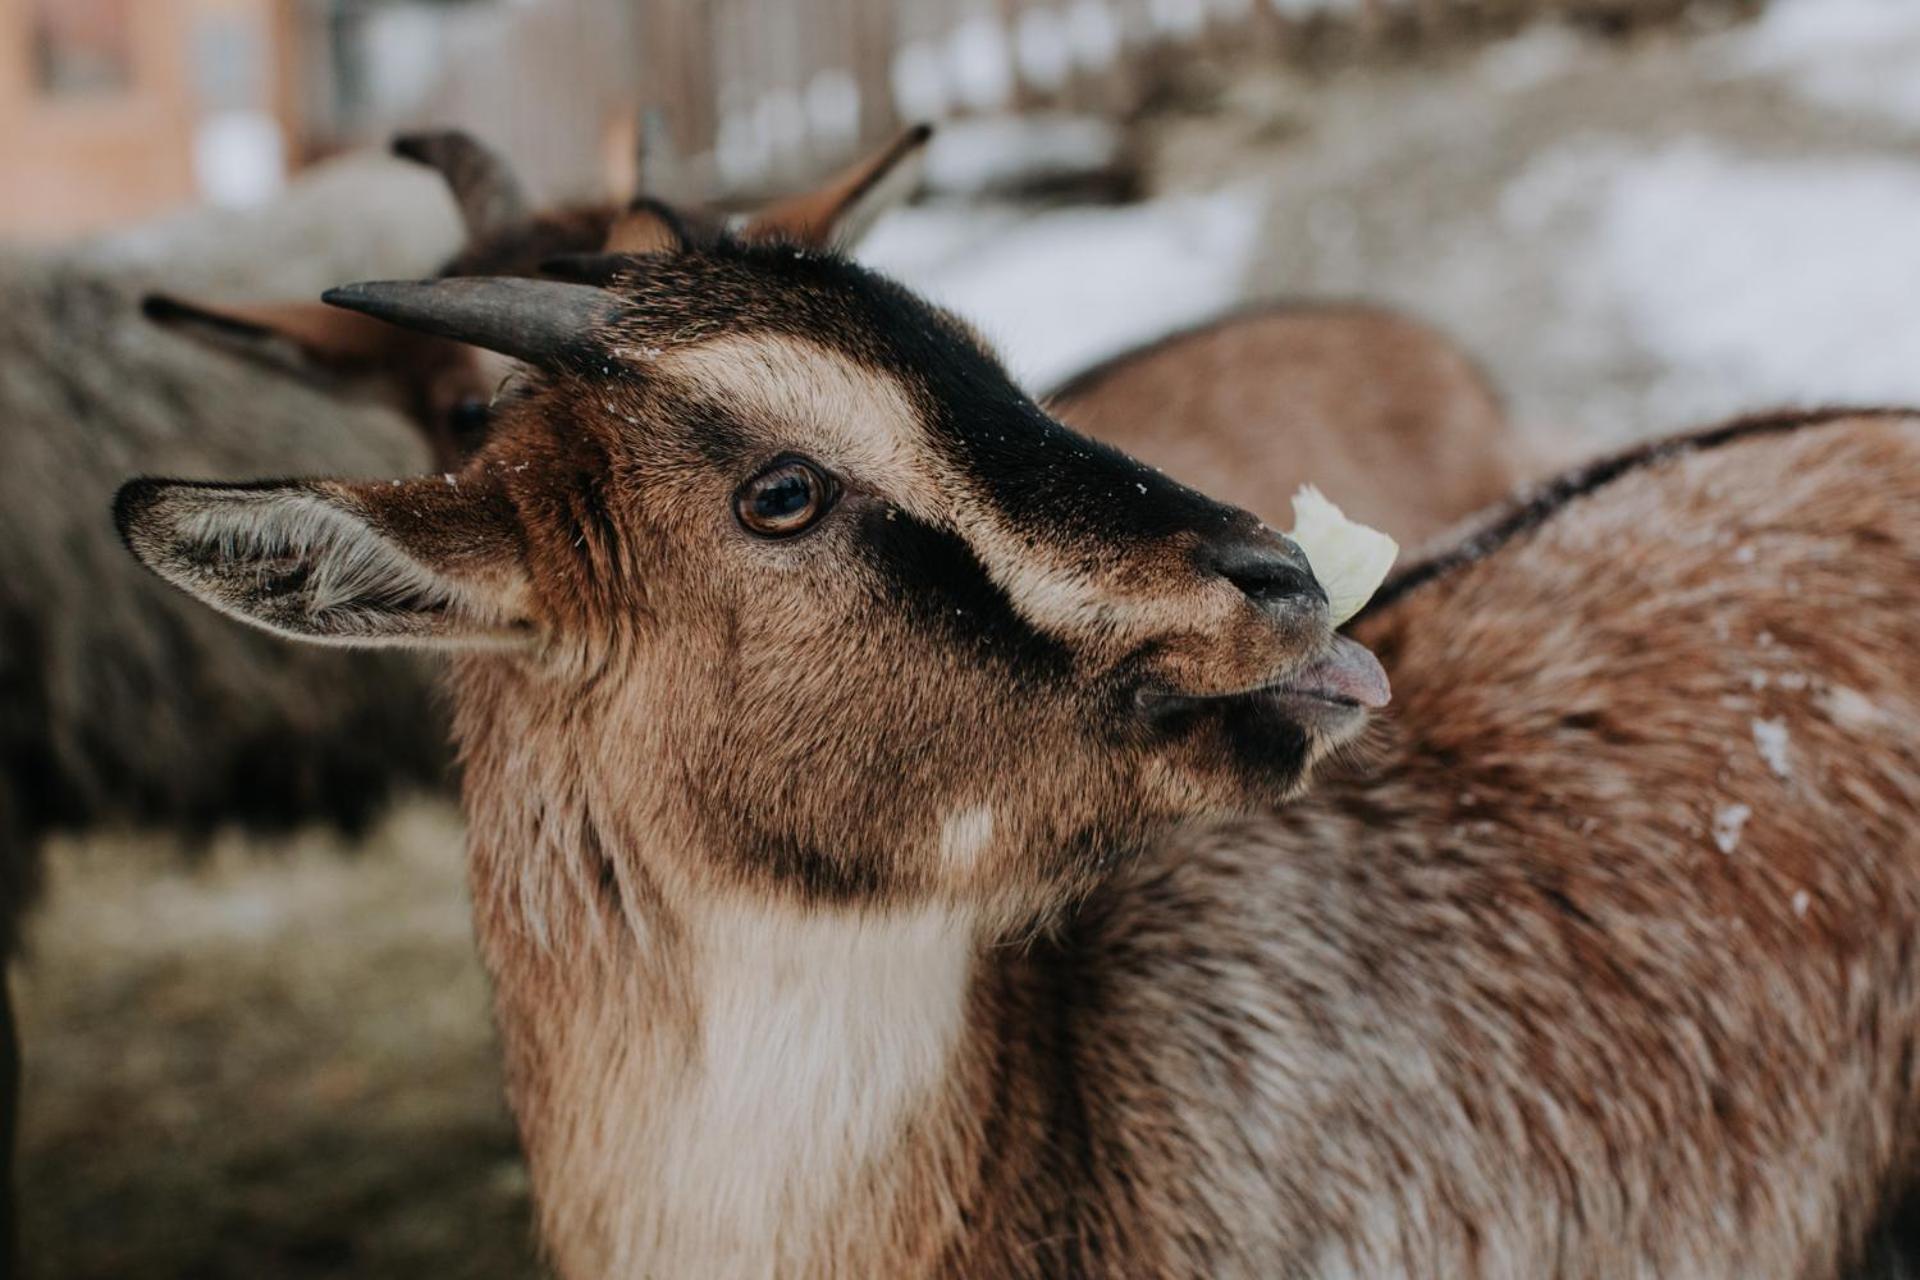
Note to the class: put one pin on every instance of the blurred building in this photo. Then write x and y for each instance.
(111, 110)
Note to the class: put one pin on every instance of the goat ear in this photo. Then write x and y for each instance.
(428, 563)
(296, 337)
(836, 214)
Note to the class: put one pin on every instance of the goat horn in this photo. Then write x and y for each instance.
(483, 185)
(543, 322)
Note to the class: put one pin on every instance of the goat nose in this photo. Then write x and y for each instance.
(1266, 573)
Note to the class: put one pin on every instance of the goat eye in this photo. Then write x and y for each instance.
(785, 499)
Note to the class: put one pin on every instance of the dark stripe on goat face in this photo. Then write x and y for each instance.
(1064, 488)
(1047, 480)
(936, 579)
(718, 437)
(1044, 477)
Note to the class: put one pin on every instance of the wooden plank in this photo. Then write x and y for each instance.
(873, 38)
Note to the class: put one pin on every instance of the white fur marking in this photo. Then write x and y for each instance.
(818, 1037)
(965, 835)
(1728, 823)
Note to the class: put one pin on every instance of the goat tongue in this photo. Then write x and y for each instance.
(1347, 673)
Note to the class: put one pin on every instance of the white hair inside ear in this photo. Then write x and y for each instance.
(324, 563)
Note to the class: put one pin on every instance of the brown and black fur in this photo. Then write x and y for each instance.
(1386, 415)
(932, 895)
(447, 388)
(444, 388)
(1520, 1015)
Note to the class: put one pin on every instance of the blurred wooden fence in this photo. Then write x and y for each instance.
(747, 95)
(762, 91)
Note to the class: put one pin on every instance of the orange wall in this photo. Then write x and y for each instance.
(81, 164)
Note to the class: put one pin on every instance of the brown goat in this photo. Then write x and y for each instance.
(1384, 413)
(804, 665)
(1388, 416)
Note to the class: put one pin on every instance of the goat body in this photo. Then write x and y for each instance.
(117, 704)
(1599, 962)
(880, 834)
(1387, 415)
(1602, 962)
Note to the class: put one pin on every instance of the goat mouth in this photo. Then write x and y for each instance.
(1346, 678)
(1346, 675)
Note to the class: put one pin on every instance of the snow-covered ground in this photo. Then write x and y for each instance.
(1860, 55)
(1753, 280)
(1056, 291)
(1633, 238)
(1750, 270)
(1756, 277)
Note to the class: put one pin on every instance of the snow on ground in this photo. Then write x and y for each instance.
(1856, 55)
(1531, 58)
(1058, 290)
(1632, 237)
(998, 153)
(1746, 280)
(1754, 281)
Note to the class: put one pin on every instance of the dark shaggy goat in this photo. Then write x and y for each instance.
(120, 703)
